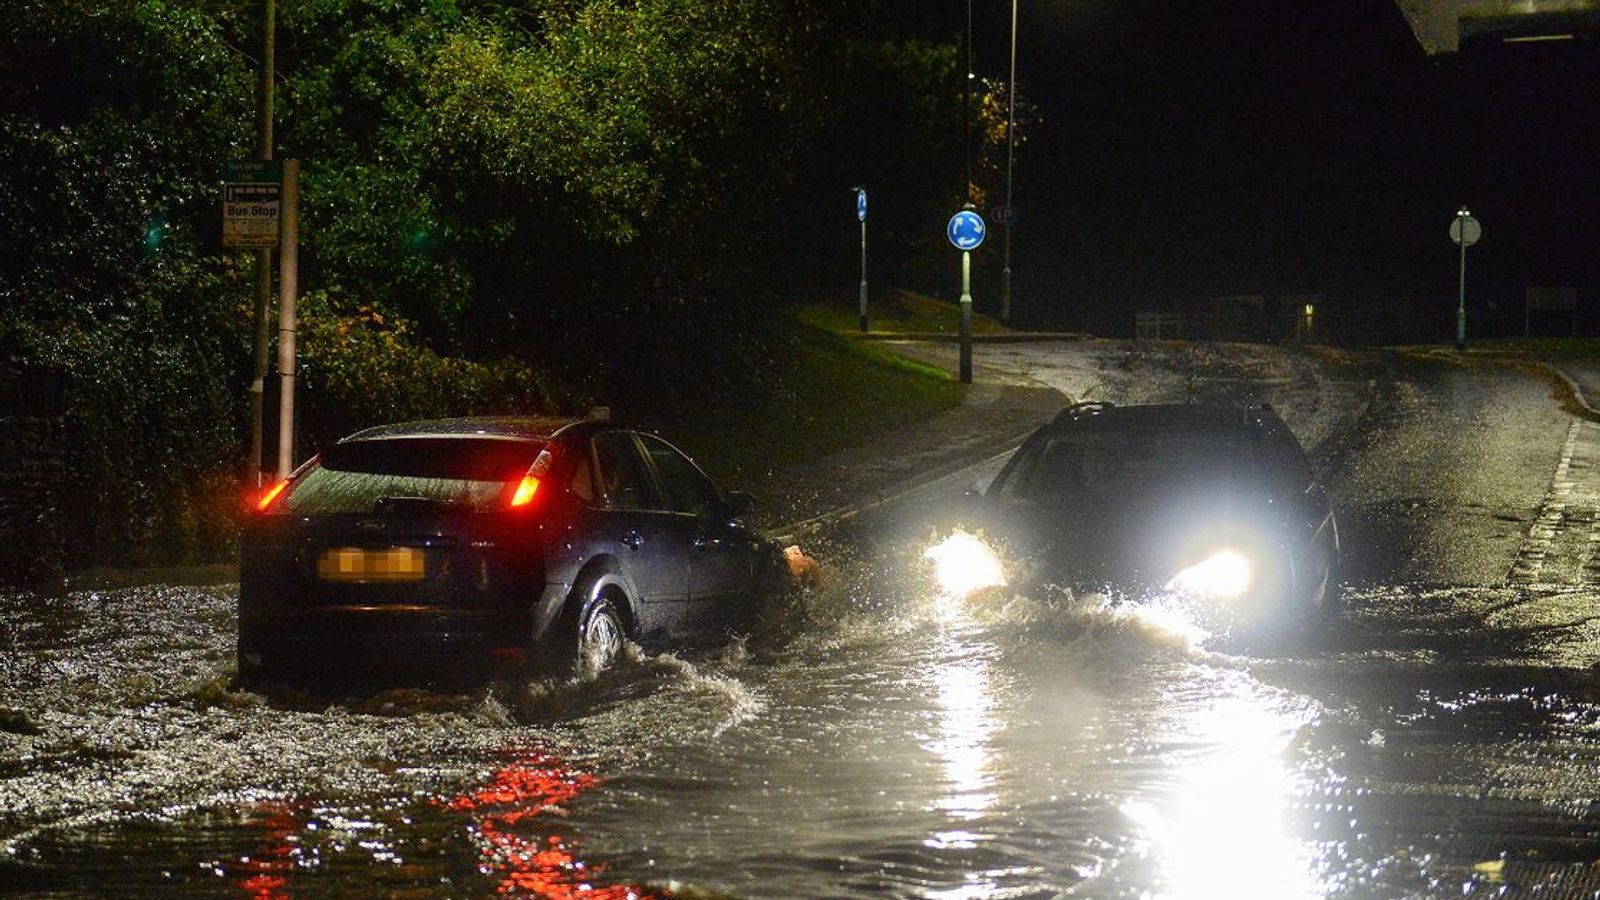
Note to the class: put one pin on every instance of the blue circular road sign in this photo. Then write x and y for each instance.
(861, 205)
(966, 230)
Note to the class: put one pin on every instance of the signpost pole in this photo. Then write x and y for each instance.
(258, 361)
(863, 274)
(288, 291)
(966, 231)
(966, 317)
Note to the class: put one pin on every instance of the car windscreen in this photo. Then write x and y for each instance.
(372, 476)
(1101, 467)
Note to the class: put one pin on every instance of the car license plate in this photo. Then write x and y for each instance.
(357, 564)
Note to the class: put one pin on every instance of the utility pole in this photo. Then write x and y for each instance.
(1011, 152)
(258, 365)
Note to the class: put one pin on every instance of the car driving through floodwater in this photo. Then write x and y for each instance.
(1212, 501)
(501, 541)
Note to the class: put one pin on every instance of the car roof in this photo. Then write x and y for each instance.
(1175, 416)
(531, 428)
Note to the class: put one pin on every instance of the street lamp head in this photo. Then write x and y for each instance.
(1463, 211)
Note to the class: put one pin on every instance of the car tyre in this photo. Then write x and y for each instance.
(601, 636)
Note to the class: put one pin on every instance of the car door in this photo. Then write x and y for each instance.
(650, 546)
(722, 562)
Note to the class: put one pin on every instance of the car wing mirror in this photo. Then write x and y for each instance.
(971, 506)
(738, 503)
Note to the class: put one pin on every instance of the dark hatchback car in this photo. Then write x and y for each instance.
(1211, 500)
(422, 547)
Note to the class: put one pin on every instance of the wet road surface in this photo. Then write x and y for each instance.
(879, 738)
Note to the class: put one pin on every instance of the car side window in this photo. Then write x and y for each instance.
(624, 481)
(583, 480)
(688, 490)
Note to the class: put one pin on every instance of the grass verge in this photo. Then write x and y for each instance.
(901, 312)
(1571, 347)
(830, 393)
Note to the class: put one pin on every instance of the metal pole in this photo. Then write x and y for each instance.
(966, 317)
(288, 289)
(1011, 152)
(1461, 292)
(966, 108)
(863, 276)
(258, 365)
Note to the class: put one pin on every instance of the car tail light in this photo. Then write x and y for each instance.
(265, 500)
(525, 491)
(271, 495)
(529, 485)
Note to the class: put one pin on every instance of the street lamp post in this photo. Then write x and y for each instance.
(263, 293)
(1461, 288)
(1465, 231)
(1011, 147)
(966, 108)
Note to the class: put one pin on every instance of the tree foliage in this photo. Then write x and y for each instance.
(505, 205)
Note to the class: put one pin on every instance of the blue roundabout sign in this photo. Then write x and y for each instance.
(966, 230)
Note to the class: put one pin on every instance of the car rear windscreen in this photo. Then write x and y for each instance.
(374, 476)
(1105, 466)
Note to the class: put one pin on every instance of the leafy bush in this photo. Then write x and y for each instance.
(364, 368)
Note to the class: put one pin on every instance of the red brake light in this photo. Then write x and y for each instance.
(271, 494)
(525, 491)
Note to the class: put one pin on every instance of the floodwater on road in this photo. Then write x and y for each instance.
(905, 743)
(882, 738)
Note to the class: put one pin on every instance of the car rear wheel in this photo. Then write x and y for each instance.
(601, 635)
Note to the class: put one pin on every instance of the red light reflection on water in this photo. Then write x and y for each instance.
(265, 876)
(509, 819)
(506, 816)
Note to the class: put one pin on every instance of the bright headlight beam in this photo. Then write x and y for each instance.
(1223, 575)
(963, 563)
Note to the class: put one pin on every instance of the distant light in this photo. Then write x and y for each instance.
(1538, 38)
(1310, 310)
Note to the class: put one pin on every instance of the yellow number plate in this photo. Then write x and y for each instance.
(356, 564)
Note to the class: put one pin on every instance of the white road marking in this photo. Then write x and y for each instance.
(1563, 543)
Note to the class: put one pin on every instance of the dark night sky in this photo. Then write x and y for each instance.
(1194, 150)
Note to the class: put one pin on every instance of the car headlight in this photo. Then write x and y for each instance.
(964, 564)
(1222, 575)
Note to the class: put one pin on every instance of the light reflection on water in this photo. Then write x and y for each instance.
(961, 742)
(964, 730)
(1223, 827)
